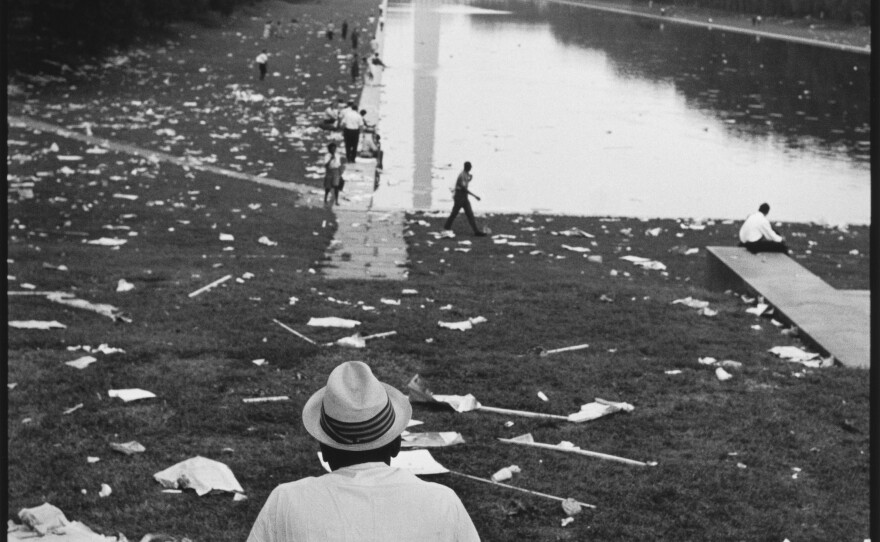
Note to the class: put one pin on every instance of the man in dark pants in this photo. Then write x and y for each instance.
(460, 201)
(351, 122)
(756, 234)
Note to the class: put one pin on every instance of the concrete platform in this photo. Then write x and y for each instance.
(837, 322)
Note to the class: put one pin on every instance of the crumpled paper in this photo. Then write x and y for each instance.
(597, 409)
(200, 474)
(463, 325)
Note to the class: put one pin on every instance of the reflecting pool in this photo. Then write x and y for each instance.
(569, 110)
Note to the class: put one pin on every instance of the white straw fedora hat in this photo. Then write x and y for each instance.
(355, 411)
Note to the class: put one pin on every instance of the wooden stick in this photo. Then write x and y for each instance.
(529, 491)
(522, 413)
(576, 451)
(566, 349)
(209, 286)
(380, 335)
(297, 333)
(265, 399)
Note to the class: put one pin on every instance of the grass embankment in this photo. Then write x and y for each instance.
(196, 353)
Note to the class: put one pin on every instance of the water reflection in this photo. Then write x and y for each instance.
(569, 110)
(805, 96)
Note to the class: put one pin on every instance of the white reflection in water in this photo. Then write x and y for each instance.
(555, 128)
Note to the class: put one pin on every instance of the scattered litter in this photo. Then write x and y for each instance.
(124, 286)
(722, 374)
(81, 363)
(644, 263)
(105, 491)
(297, 333)
(604, 298)
(594, 259)
(431, 440)
(107, 242)
(544, 353)
(542, 396)
(758, 310)
(566, 521)
(654, 232)
(103, 348)
(357, 341)
(259, 362)
(333, 321)
(673, 372)
(46, 522)
(707, 361)
(573, 232)
(209, 286)
(506, 473)
(35, 324)
(266, 241)
(463, 325)
(101, 308)
(293, 300)
(227, 237)
(568, 447)
(597, 409)
(409, 291)
(128, 448)
(576, 249)
(796, 355)
(571, 507)
(72, 409)
(92, 459)
(706, 311)
(266, 399)
(692, 303)
(200, 474)
(131, 394)
(390, 301)
(130, 197)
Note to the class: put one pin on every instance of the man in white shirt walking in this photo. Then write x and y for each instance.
(358, 421)
(351, 122)
(757, 235)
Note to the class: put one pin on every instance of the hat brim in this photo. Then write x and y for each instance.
(311, 417)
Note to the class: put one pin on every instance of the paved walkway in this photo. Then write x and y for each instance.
(837, 321)
(369, 243)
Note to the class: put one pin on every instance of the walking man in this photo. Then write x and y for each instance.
(461, 201)
(261, 60)
(351, 122)
(757, 235)
(358, 421)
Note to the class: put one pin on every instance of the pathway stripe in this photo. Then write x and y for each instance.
(724, 28)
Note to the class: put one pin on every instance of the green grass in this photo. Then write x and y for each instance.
(195, 353)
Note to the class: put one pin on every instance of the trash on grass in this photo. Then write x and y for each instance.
(46, 522)
(82, 363)
(722, 375)
(431, 440)
(128, 448)
(545, 353)
(644, 263)
(266, 399)
(200, 474)
(333, 321)
(101, 308)
(568, 447)
(692, 303)
(131, 394)
(566, 521)
(357, 341)
(297, 333)
(36, 324)
(597, 409)
(266, 241)
(105, 491)
(576, 249)
(506, 473)
(543, 396)
(758, 309)
(796, 355)
(571, 507)
(463, 325)
(108, 242)
(209, 286)
(72, 409)
(124, 286)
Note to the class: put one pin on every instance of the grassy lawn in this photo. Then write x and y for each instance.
(726, 452)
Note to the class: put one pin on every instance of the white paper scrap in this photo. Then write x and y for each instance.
(36, 324)
(124, 286)
(333, 321)
(108, 242)
(201, 474)
(722, 374)
(431, 440)
(81, 363)
(131, 394)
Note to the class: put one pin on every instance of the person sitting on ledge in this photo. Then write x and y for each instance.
(756, 234)
(358, 421)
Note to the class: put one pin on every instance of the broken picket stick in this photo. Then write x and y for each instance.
(297, 333)
(358, 341)
(522, 413)
(209, 286)
(545, 353)
(529, 491)
(527, 440)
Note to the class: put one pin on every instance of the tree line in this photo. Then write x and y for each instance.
(38, 29)
(851, 11)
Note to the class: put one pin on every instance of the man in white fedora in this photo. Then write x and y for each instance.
(358, 421)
